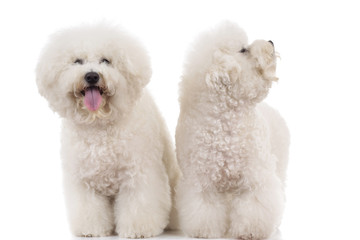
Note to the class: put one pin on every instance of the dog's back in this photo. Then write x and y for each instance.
(279, 137)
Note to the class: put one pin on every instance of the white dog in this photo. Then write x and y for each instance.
(232, 149)
(118, 159)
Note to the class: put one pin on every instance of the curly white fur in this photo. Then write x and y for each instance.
(232, 149)
(118, 161)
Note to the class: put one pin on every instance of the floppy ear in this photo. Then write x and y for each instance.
(137, 74)
(217, 78)
(45, 79)
(223, 72)
(134, 75)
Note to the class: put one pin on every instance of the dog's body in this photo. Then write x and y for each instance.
(118, 160)
(232, 149)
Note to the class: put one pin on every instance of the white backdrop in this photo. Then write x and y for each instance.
(318, 95)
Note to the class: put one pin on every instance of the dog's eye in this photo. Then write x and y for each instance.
(243, 50)
(79, 61)
(104, 60)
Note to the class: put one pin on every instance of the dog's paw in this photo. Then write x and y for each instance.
(139, 232)
(252, 237)
(248, 237)
(140, 229)
(204, 232)
(86, 235)
(95, 233)
(248, 233)
(93, 229)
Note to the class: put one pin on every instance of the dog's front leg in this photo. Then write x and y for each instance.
(143, 204)
(202, 214)
(90, 214)
(256, 213)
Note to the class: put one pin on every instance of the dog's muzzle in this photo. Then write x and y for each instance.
(92, 94)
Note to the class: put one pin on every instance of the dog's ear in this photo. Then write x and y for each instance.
(217, 78)
(136, 70)
(223, 72)
(48, 87)
(136, 76)
(45, 77)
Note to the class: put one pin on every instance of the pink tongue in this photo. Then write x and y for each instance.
(92, 99)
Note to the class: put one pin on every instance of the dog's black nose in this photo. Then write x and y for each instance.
(271, 42)
(92, 77)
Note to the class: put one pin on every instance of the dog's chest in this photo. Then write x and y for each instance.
(227, 149)
(103, 162)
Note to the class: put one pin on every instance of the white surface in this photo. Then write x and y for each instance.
(168, 235)
(318, 95)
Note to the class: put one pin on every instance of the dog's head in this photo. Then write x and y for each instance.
(231, 67)
(92, 73)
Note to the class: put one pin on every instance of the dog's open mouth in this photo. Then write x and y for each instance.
(92, 97)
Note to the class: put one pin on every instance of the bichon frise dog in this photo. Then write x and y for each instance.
(119, 164)
(232, 149)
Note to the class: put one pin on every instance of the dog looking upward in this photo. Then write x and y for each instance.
(231, 148)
